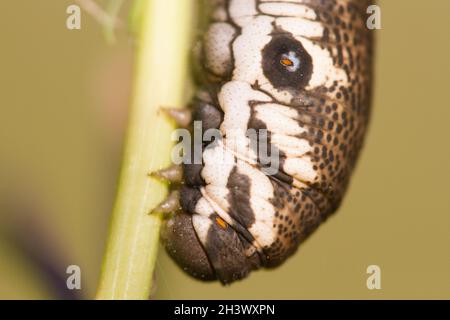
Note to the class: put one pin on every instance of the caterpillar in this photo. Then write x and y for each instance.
(300, 71)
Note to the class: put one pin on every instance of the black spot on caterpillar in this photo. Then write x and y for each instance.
(286, 63)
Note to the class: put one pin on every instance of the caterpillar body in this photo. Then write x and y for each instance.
(301, 71)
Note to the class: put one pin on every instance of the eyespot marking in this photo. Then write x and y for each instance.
(286, 64)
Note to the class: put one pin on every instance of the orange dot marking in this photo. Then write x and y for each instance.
(287, 62)
(221, 223)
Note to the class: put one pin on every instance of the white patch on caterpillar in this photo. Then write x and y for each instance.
(218, 163)
(202, 207)
(300, 168)
(247, 49)
(242, 11)
(218, 194)
(287, 9)
(262, 230)
(201, 225)
(278, 119)
(217, 47)
(281, 109)
(234, 98)
(290, 146)
(301, 27)
(324, 72)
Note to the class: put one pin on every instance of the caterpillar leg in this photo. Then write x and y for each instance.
(170, 204)
(173, 174)
(182, 117)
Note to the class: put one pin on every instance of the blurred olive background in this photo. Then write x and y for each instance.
(63, 108)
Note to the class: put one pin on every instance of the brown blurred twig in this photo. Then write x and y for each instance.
(108, 18)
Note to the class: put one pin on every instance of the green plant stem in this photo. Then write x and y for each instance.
(163, 44)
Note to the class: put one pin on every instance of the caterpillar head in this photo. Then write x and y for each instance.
(221, 255)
